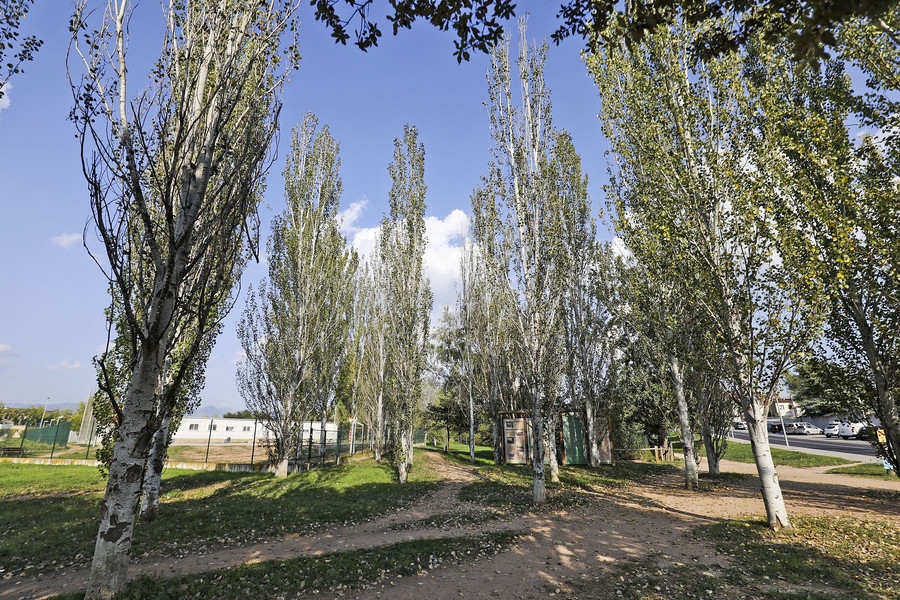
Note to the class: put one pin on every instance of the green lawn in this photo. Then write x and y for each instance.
(741, 452)
(875, 470)
(50, 513)
(459, 452)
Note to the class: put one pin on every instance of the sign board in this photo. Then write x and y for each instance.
(881, 437)
(515, 443)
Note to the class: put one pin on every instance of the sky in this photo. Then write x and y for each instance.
(54, 294)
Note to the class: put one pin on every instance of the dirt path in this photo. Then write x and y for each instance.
(556, 549)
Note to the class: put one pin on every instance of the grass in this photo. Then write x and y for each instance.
(740, 452)
(866, 470)
(459, 453)
(337, 572)
(511, 486)
(821, 557)
(57, 521)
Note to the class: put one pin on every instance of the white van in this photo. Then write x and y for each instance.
(849, 430)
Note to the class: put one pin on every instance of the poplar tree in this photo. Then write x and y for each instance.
(408, 296)
(518, 208)
(683, 182)
(295, 330)
(173, 170)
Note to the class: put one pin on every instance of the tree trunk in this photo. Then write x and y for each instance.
(590, 429)
(323, 435)
(153, 472)
(447, 441)
(379, 427)
(537, 452)
(712, 456)
(551, 451)
(684, 421)
(776, 512)
(496, 432)
(282, 469)
(404, 461)
(118, 512)
(471, 423)
(886, 394)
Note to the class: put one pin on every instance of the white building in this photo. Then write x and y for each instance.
(218, 430)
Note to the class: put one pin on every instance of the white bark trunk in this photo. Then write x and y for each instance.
(404, 461)
(153, 473)
(109, 569)
(471, 423)
(282, 469)
(379, 427)
(776, 512)
(712, 459)
(552, 458)
(684, 421)
(497, 441)
(539, 492)
(590, 427)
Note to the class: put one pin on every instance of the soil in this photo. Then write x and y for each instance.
(558, 552)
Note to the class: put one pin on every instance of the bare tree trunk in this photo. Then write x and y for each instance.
(496, 432)
(379, 426)
(447, 441)
(537, 451)
(405, 458)
(118, 512)
(776, 512)
(282, 469)
(153, 473)
(551, 450)
(684, 420)
(471, 422)
(712, 457)
(590, 429)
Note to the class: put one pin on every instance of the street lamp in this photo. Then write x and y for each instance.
(45, 412)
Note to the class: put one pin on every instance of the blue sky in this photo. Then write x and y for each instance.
(53, 295)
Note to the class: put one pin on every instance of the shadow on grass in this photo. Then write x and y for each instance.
(207, 508)
(459, 453)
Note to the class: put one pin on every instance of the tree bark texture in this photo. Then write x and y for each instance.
(712, 458)
(552, 457)
(590, 430)
(776, 512)
(684, 421)
(539, 492)
(153, 472)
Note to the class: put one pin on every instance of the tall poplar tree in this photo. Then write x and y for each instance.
(408, 296)
(691, 204)
(518, 211)
(295, 330)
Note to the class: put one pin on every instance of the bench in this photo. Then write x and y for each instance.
(10, 451)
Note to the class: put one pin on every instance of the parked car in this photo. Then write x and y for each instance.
(740, 425)
(849, 430)
(775, 428)
(806, 429)
(869, 432)
(832, 429)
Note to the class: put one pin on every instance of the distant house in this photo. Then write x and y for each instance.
(785, 408)
(194, 430)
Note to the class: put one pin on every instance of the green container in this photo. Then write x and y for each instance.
(573, 440)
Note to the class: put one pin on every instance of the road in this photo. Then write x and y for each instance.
(819, 444)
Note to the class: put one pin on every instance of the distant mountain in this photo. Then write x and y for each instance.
(50, 406)
(211, 410)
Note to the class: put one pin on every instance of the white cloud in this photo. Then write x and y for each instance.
(6, 352)
(67, 364)
(348, 217)
(620, 249)
(238, 357)
(4, 101)
(66, 240)
(445, 240)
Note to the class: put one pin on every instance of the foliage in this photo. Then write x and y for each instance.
(239, 414)
(824, 388)
(12, 51)
(295, 329)
(811, 26)
(408, 297)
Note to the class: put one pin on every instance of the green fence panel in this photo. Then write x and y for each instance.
(46, 435)
(573, 440)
